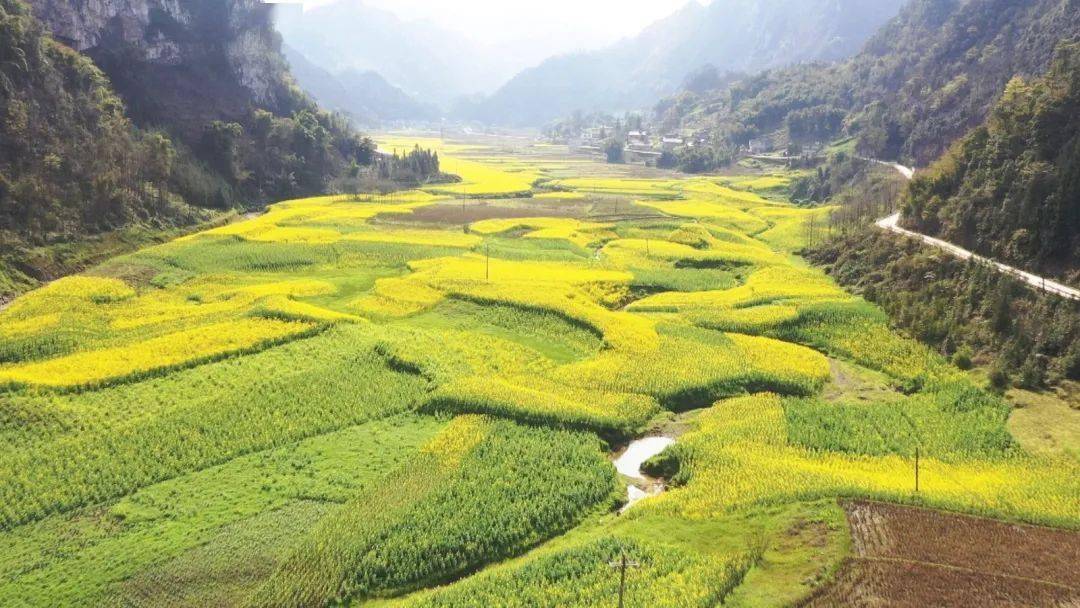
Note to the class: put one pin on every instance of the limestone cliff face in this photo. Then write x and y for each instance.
(84, 24)
(179, 63)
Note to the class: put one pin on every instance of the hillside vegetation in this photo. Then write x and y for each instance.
(212, 76)
(1010, 190)
(925, 79)
(71, 163)
(86, 172)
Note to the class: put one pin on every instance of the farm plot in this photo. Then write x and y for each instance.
(906, 556)
(412, 397)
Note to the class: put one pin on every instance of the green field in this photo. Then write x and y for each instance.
(413, 399)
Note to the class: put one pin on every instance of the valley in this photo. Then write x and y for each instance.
(415, 398)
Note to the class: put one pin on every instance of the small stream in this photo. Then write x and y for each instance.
(629, 464)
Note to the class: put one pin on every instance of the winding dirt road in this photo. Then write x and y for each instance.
(892, 224)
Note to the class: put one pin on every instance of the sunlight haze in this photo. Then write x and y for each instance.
(568, 24)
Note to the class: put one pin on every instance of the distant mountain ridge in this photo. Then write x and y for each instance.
(732, 35)
(426, 62)
(927, 78)
(366, 97)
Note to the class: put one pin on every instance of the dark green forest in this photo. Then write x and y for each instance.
(70, 160)
(968, 311)
(1010, 189)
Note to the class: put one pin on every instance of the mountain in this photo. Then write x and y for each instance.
(366, 97)
(211, 74)
(929, 76)
(1010, 189)
(425, 61)
(71, 163)
(178, 63)
(121, 119)
(730, 35)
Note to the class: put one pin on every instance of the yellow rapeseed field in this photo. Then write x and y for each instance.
(181, 348)
(508, 331)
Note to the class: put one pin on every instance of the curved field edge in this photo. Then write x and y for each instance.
(697, 301)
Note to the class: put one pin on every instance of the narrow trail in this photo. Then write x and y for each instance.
(892, 224)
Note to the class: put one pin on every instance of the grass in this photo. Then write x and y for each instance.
(761, 557)
(110, 442)
(242, 416)
(1046, 423)
(187, 528)
(484, 490)
(550, 334)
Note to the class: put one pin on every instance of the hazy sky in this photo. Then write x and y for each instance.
(566, 23)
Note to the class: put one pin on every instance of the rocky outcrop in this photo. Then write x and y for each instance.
(186, 60)
(84, 24)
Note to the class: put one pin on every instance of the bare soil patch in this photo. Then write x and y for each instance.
(473, 211)
(906, 556)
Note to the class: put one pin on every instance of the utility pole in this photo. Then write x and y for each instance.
(622, 564)
(487, 270)
(464, 215)
(916, 469)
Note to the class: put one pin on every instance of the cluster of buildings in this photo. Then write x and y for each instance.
(641, 146)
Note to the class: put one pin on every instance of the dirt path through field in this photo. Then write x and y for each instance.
(911, 557)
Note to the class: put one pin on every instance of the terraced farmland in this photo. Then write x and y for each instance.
(412, 399)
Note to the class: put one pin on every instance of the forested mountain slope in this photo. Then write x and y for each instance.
(929, 76)
(70, 160)
(195, 108)
(211, 74)
(1011, 188)
(733, 35)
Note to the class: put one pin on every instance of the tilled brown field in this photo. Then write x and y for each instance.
(919, 558)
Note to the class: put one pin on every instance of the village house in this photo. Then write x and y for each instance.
(670, 143)
(762, 145)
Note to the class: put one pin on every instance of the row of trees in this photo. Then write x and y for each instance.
(275, 157)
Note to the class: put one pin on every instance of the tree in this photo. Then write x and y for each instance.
(220, 144)
(614, 149)
(159, 155)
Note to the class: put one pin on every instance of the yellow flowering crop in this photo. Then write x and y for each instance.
(483, 179)
(68, 293)
(780, 284)
(169, 351)
(739, 456)
(431, 238)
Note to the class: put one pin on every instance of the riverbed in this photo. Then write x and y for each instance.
(629, 464)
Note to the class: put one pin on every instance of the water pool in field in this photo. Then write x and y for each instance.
(629, 464)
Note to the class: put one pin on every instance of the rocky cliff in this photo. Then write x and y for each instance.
(179, 63)
(211, 74)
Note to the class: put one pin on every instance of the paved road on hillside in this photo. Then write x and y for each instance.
(892, 224)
